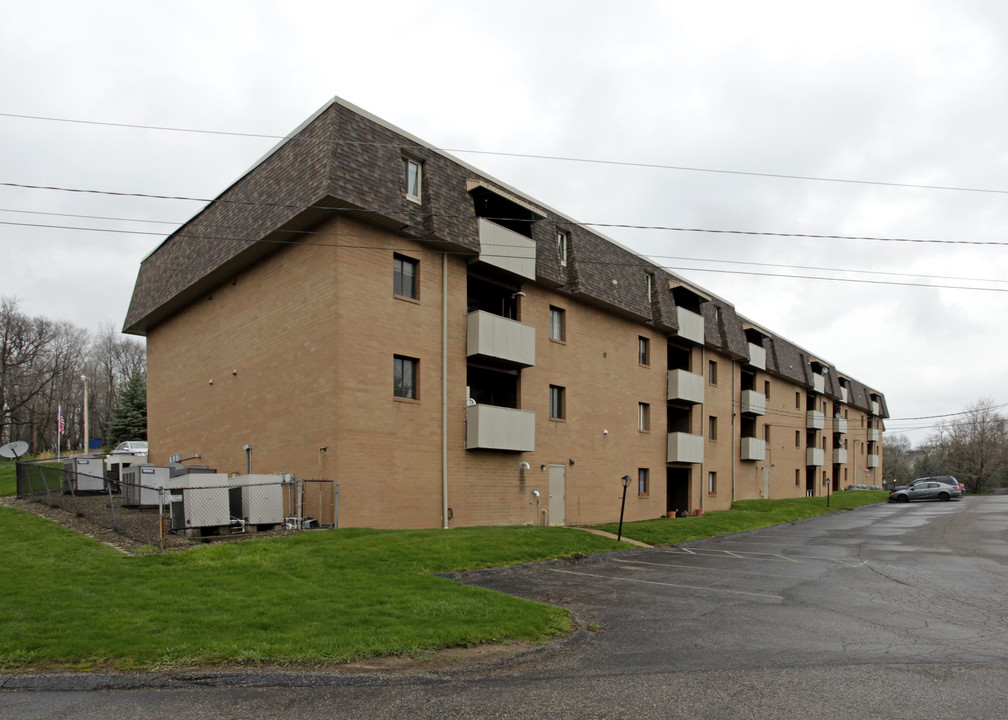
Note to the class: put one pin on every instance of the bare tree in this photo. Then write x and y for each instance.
(898, 467)
(26, 368)
(975, 446)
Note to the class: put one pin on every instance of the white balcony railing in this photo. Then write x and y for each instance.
(497, 428)
(757, 356)
(839, 424)
(873, 461)
(818, 383)
(685, 448)
(815, 456)
(753, 448)
(687, 386)
(815, 420)
(875, 407)
(506, 249)
(493, 336)
(691, 325)
(753, 402)
(840, 456)
(874, 435)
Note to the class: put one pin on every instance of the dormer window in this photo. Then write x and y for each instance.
(412, 178)
(561, 240)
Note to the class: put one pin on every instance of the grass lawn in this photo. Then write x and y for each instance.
(8, 479)
(317, 597)
(744, 515)
(67, 601)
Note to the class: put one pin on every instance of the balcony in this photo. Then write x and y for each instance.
(839, 456)
(691, 325)
(873, 461)
(685, 448)
(839, 424)
(818, 383)
(874, 435)
(875, 407)
(843, 393)
(489, 427)
(753, 448)
(685, 386)
(757, 356)
(499, 338)
(815, 456)
(506, 249)
(753, 402)
(815, 420)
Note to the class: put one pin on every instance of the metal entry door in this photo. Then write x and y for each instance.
(557, 494)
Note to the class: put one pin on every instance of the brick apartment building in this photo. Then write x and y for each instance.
(363, 307)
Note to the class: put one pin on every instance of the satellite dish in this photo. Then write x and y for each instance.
(14, 450)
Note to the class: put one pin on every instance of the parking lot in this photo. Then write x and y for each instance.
(886, 611)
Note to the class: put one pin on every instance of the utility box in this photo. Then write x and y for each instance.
(261, 498)
(141, 485)
(83, 474)
(205, 500)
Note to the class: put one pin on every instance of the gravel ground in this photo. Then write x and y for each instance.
(136, 530)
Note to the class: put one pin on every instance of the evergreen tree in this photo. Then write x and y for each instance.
(129, 419)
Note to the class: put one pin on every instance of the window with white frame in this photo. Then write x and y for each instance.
(711, 483)
(412, 178)
(643, 417)
(643, 350)
(561, 241)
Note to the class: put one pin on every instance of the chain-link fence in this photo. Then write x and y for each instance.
(173, 506)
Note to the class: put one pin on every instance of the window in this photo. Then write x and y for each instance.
(556, 324)
(648, 281)
(561, 240)
(642, 481)
(405, 377)
(766, 434)
(766, 389)
(712, 427)
(643, 417)
(712, 372)
(412, 178)
(797, 400)
(712, 483)
(404, 276)
(797, 438)
(557, 402)
(797, 477)
(643, 351)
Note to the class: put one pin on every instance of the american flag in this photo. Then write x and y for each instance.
(59, 415)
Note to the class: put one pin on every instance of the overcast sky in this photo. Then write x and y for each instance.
(897, 108)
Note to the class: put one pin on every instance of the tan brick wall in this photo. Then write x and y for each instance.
(312, 332)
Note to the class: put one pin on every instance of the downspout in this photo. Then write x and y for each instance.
(444, 389)
(703, 429)
(733, 463)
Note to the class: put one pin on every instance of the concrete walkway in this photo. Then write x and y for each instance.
(603, 533)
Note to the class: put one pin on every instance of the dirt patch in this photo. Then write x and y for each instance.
(136, 532)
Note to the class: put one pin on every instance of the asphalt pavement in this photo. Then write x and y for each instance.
(887, 611)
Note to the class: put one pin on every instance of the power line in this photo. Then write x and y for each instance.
(535, 156)
(667, 228)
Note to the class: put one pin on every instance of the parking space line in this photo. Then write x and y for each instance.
(710, 569)
(804, 559)
(674, 585)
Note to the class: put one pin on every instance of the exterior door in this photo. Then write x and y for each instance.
(557, 494)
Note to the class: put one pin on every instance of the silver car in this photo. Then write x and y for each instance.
(927, 490)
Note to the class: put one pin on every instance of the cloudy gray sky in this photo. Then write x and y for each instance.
(712, 116)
